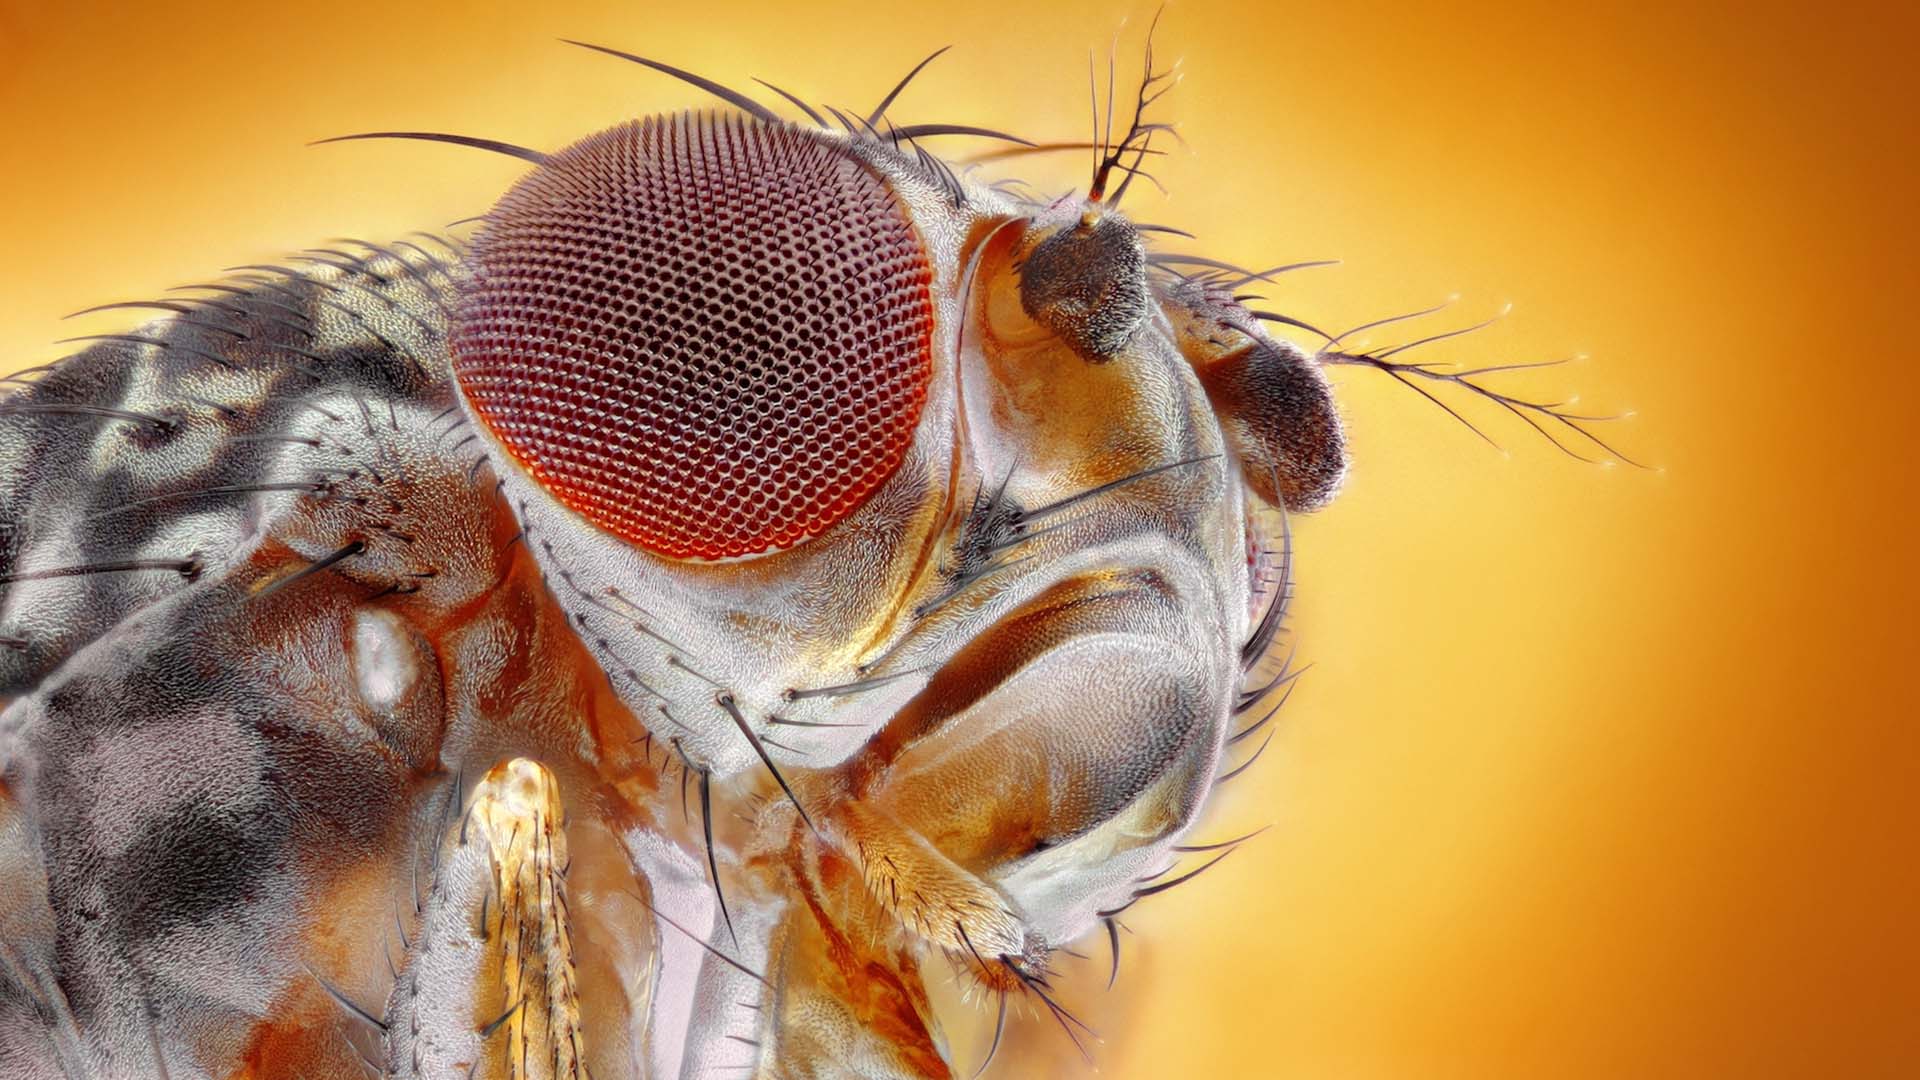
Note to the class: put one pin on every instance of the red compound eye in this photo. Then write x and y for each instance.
(709, 336)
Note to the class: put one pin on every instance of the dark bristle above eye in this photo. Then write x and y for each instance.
(800, 104)
(732, 97)
(881, 109)
(491, 145)
(921, 131)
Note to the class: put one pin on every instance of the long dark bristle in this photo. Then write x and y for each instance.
(26, 408)
(1049, 509)
(1274, 616)
(702, 942)
(844, 689)
(1192, 849)
(1024, 149)
(1175, 259)
(1240, 735)
(199, 493)
(345, 551)
(1113, 941)
(732, 709)
(1065, 1019)
(347, 1003)
(488, 1029)
(881, 109)
(782, 721)
(1288, 673)
(188, 568)
(812, 114)
(730, 96)
(491, 145)
(1288, 320)
(921, 131)
(999, 1030)
(713, 862)
(1245, 765)
(1154, 890)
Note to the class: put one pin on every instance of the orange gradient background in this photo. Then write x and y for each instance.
(1598, 772)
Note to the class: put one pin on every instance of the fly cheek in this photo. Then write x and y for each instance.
(706, 335)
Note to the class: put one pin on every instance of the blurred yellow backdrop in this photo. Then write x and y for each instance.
(1599, 772)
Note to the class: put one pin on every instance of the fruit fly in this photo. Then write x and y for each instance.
(762, 564)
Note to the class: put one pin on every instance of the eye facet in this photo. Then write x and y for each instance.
(709, 336)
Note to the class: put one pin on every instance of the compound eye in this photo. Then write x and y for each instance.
(707, 335)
